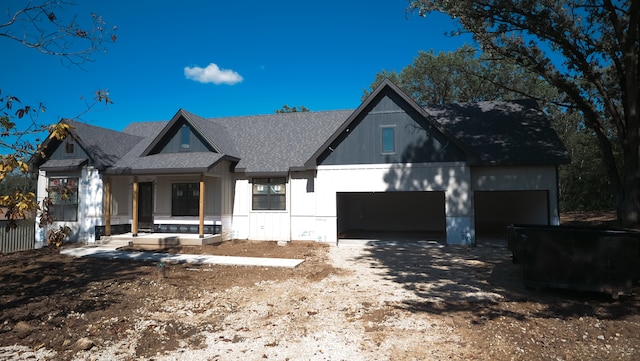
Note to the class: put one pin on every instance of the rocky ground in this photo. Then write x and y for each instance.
(417, 301)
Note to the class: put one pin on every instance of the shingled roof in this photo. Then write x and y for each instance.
(104, 146)
(490, 133)
(502, 133)
(277, 143)
(270, 144)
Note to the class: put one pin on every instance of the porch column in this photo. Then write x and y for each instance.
(201, 206)
(134, 226)
(107, 205)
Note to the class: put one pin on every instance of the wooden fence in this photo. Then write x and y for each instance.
(21, 238)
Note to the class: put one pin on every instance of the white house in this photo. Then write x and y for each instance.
(390, 166)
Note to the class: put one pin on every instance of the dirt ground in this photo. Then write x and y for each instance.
(417, 301)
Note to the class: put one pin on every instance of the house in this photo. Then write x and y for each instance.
(453, 172)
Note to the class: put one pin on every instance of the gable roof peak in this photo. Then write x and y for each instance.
(104, 146)
(215, 135)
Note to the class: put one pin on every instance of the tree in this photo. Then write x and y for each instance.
(583, 183)
(48, 28)
(286, 109)
(589, 51)
(462, 76)
(18, 181)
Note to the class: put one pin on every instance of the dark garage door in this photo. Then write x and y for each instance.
(495, 210)
(362, 213)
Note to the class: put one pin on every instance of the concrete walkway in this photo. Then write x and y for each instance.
(110, 251)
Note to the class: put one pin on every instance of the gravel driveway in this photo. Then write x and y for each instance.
(412, 301)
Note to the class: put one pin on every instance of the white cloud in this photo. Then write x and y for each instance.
(212, 74)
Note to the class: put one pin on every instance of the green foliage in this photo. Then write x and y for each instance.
(18, 189)
(463, 76)
(286, 109)
(588, 51)
(584, 185)
(18, 181)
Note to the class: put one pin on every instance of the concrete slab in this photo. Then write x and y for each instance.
(162, 240)
(110, 252)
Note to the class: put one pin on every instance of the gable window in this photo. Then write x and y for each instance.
(388, 135)
(69, 148)
(185, 137)
(64, 195)
(185, 199)
(269, 194)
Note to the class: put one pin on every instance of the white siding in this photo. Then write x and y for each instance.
(269, 226)
(241, 207)
(41, 192)
(303, 206)
(90, 203)
(260, 225)
(453, 178)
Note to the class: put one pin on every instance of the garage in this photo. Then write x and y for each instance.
(495, 210)
(385, 215)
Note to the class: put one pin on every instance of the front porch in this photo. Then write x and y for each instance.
(162, 240)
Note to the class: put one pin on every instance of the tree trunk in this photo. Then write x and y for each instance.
(628, 206)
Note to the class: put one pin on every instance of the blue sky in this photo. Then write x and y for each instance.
(226, 58)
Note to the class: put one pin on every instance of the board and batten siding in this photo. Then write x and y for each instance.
(162, 198)
(269, 225)
(90, 203)
(61, 152)
(415, 140)
(174, 144)
(241, 208)
(120, 199)
(303, 206)
(296, 222)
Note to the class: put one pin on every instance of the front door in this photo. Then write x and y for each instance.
(145, 206)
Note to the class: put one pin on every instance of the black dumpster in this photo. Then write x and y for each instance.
(588, 259)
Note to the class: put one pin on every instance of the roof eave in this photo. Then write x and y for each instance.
(156, 171)
(180, 114)
(200, 132)
(267, 174)
(147, 171)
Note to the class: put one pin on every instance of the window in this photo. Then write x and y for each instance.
(69, 148)
(269, 194)
(185, 199)
(64, 194)
(388, 139)
(185, 137)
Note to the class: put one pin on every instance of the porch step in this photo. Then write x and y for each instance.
(161, 240)
(110, 242)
